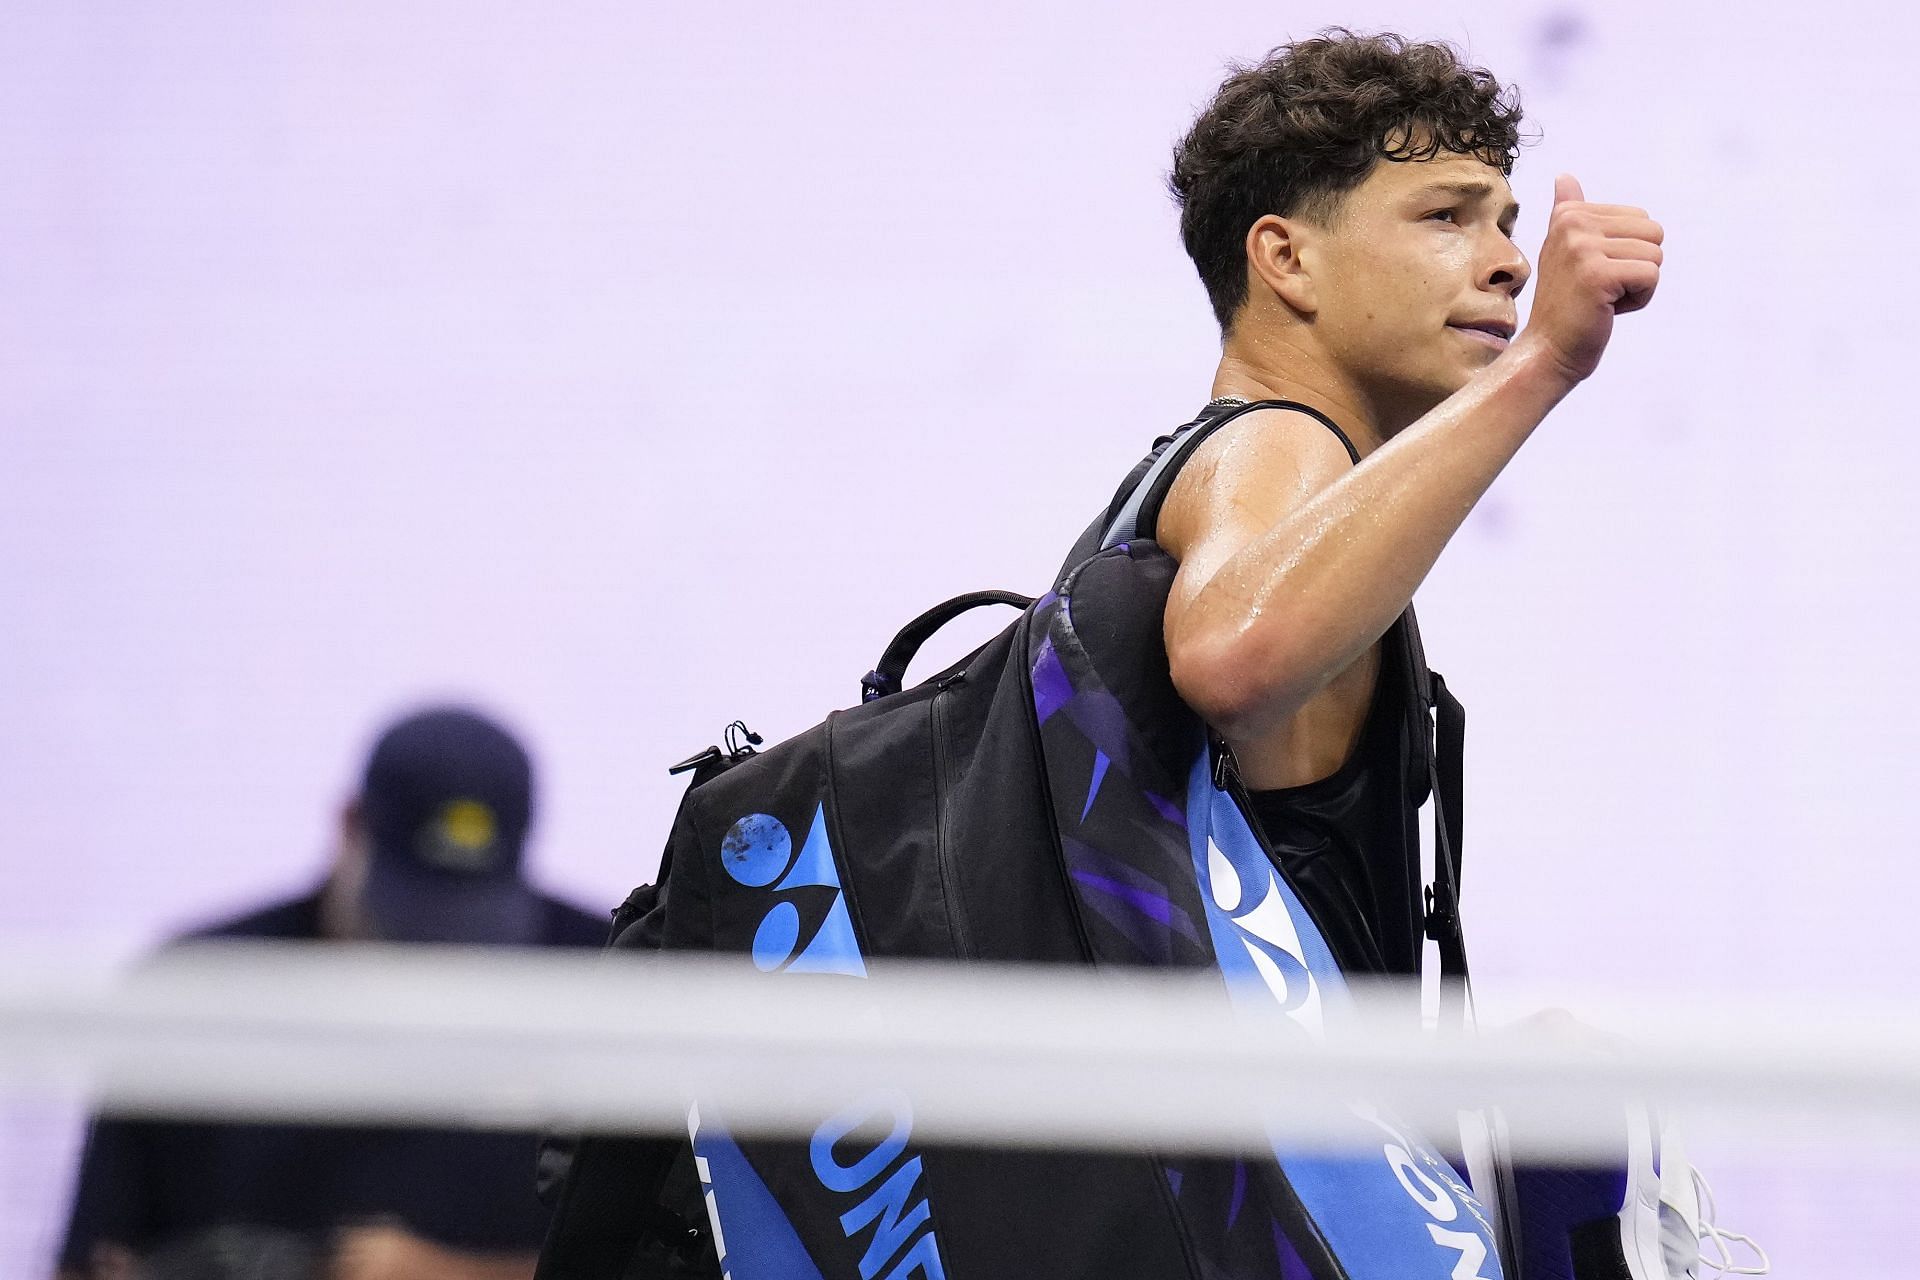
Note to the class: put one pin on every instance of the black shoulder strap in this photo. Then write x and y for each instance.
(1443, 896)
(1139, 514)
(1443, 729)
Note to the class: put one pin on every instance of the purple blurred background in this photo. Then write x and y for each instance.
(629, 368)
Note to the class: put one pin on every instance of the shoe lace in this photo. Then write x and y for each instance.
(1716, 1242)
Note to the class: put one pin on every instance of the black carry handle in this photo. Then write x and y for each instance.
(886, 678)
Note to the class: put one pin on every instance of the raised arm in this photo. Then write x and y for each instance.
(1293, 563)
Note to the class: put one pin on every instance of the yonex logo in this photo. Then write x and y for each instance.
(1436, 1192)
(1258, 913)
(808, 929)
(804, 930)
(847, 1160)
(1248, 898)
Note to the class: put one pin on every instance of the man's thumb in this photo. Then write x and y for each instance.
(1567, 187)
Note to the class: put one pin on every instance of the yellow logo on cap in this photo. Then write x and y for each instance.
(460, 839)
(467, 824)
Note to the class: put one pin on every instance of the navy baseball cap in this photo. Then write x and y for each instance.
(446, 802)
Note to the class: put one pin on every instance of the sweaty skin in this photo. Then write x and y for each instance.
(1386, 317)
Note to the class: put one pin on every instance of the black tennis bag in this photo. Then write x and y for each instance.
(1048, 800)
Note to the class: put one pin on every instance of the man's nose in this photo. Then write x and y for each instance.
(1509, 271)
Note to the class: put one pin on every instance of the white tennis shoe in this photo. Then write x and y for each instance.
(1650, 1217)
(1692, 1244)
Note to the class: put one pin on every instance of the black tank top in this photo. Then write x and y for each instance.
(1350, 842)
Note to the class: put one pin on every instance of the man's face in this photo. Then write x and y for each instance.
(1416, 279)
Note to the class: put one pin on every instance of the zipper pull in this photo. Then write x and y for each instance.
(710, 756)
(1224, 768)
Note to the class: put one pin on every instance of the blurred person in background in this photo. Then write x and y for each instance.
(429, 850)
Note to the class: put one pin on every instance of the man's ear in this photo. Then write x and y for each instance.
(1274, 257)
(353, 824)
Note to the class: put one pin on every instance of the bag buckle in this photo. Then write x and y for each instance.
(1440, 921)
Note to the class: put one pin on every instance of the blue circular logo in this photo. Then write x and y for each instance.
(757, 850)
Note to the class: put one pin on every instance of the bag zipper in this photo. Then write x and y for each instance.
(942, 792)
(1226, 777)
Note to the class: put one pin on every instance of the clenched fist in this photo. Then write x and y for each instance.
(1599, 261)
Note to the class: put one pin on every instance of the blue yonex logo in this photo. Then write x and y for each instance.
(1250, 897)
(757, 852)
(1272, 955)
(1433, 1187)
(847, 1160)
(807, 928)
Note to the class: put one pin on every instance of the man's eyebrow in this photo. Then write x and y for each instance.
(1472, 189)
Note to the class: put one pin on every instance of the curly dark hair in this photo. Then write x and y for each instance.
(1295, 132)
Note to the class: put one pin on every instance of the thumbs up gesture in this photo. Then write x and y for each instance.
(1599, 261)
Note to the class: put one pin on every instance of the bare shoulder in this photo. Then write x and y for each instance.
(1248, 475)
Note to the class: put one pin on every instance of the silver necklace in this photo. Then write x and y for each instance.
(1220, 402)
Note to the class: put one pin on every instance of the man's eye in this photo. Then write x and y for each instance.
(1442, 215)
